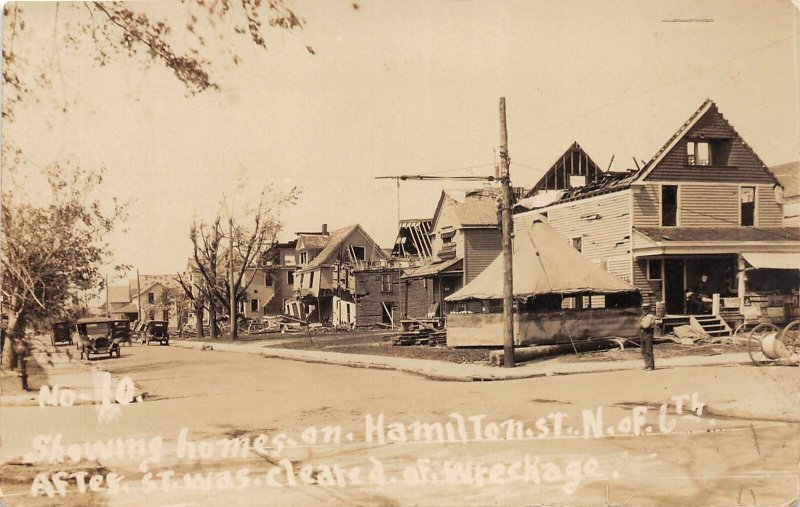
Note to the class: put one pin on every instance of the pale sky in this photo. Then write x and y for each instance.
(406, 87)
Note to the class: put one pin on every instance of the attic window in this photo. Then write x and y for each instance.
(698, 153)
(358, 253)
(303, 257)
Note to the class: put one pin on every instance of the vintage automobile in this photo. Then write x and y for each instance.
(96, 336)
(155, 331)
(121, 329)
(62, 332)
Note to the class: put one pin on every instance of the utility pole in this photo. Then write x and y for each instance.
(108, 306)
(234, 333)
(138, 297)
(506, 224)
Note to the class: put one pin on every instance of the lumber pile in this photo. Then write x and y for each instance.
(421, 332)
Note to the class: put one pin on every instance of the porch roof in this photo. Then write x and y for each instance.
(433, 269)
(774, 260)
(655, 241)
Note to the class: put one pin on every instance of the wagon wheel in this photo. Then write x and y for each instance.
(791, 337)
(754, 343)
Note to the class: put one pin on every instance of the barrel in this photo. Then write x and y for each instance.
(661, 309)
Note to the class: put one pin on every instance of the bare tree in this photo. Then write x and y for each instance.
(247, 240)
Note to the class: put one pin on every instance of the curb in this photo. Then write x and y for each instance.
(430, 372)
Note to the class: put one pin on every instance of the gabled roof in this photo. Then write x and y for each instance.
(573, 162)
(789, 176)
(543, 263)
(476, 208)
(312, 241)
(336, 241)
(705, 107)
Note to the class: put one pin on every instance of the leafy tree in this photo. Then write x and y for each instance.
(247, 241)
(182, 44)
(53, 251)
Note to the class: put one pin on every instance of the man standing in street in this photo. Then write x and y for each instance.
(648, 326)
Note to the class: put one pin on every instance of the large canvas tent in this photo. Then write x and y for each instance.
(546, 271)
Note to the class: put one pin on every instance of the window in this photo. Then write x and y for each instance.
(151, 298)
(747, 198)
(165, 314)
(577, 243)
(254, 305)
(654, 269)
(268, 280)
(303, 257)
(386, 282)
(669, 205)
(302, 275)
(311, 280)
(357, 252)
(290, 277)
(698, 153)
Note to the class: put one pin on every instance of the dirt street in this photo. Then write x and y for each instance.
(311, 434)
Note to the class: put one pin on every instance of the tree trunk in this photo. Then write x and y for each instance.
(198, 318)
(212, 320)
(233, 321)
(14, 333)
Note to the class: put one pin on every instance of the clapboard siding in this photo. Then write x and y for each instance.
(645, 206)
(620, 267)
(415, 297)
(603, 223)
(770, 213)
(650, 289)
(481, 247)
(741, 166)
(371, 297)
(709, 205)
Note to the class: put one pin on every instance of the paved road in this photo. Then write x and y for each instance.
(742, 448)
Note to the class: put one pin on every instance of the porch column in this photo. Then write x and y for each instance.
(740, 281)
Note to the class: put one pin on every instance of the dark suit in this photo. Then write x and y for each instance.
(648, 326)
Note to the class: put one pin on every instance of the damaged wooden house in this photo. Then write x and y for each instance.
(699, 228)
(325, 279)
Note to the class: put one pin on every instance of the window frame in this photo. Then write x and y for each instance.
(384, 286)
(755, 205)
(353, 250)
(694, 158)
(661, 205)
(254, 308)
(649, 273)
(580, 242)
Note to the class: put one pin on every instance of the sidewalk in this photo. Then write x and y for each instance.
(441, 370)
(63, 368)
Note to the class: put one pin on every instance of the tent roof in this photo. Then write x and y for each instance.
(543, 263)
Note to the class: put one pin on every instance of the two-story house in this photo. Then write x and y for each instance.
(324, 286)
(702, 217)
(465, 238)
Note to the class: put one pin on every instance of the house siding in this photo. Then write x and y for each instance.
(415, 298)
(650, 289)
(742, 165)
(603, 223)
(646, 205)
(369, 287)
(481, 247)
(770, 213)
(708, 205)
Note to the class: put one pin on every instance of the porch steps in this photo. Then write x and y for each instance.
(712, 325)
(670, 322)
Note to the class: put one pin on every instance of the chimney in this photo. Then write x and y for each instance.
(324, 229)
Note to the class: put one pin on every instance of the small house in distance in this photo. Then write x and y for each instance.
(560, 296)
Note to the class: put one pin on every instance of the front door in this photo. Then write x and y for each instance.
(674, 291)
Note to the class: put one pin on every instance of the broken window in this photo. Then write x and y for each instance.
(669, 205)
(698, 153)
(747, 197)
(357, 252)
